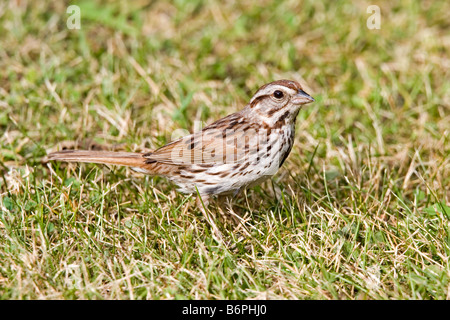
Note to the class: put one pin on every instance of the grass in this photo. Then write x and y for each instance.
(360, 210)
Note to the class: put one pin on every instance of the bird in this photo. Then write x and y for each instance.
(231, 154)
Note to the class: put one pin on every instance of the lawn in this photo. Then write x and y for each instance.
(360, 209)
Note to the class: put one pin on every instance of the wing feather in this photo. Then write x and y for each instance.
(228, 140)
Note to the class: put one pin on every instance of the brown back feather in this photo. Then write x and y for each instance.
(223, 141)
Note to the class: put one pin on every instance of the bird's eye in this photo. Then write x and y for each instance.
(278, 94)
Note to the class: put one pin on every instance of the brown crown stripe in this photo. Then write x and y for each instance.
(286, 83)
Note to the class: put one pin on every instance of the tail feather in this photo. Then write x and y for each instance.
(130, 159)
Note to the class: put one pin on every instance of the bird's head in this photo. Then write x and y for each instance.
(282, 98)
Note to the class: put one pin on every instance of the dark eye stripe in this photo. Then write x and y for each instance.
(257, 100)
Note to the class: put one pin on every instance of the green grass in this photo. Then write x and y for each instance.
(360, 210)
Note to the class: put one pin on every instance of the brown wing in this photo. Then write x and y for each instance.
(228, 140)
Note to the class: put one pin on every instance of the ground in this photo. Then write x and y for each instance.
(360, 209)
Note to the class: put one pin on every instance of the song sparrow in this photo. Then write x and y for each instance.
(233, 153)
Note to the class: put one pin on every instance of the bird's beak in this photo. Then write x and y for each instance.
(302, 98)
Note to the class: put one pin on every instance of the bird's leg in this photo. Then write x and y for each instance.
(202, 203)
(225, 209)
(235, 219)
